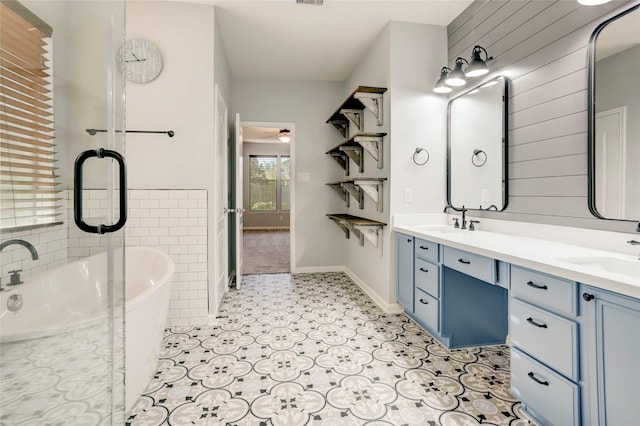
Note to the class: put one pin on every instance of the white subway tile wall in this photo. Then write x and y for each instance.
(174, 221)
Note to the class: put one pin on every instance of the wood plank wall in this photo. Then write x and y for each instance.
(542, 46)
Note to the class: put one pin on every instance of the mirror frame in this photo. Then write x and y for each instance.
(505, 144)
(591, 116)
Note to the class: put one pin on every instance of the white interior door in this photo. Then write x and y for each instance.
(221, 263)
(610, 164)
(239, 199)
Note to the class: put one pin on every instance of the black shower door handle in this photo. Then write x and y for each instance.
(77, 190)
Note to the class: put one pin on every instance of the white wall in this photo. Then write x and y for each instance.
(405, 58)
(181, 99)
(308, 104)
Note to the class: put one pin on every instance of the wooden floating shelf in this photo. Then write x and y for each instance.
(352, 109)
(357, 187)
(353, 148)
(362, 228)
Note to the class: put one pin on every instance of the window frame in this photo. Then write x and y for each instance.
(278, 183)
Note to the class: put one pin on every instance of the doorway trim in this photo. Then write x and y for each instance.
(292, 155)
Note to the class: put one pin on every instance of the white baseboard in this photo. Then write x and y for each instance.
(265, 228)
(389, 308)
(317, 269)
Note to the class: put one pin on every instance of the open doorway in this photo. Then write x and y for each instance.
(267, 198)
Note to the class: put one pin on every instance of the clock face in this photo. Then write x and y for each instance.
(140, 60)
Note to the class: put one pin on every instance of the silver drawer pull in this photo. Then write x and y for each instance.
(424, 301)
(534, 285)
(537, 324)
(466, 262)
(424, 248)
(424, 270)
(535, 379)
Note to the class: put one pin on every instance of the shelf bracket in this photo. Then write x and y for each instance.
(343, 160)
(371, 233)
(342, 192)
(356, 192)
(355, 153)
(344, 226)
(373, 102)
(373, 189)
(342, 126)
(373, 145)
(355, 116)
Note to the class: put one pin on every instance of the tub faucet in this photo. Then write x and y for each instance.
(28, 245)
(634, 243)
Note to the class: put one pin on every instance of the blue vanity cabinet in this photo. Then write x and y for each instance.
(460, 303)
(610, 355)
(404, 285)
(544, 346)
(426, 285)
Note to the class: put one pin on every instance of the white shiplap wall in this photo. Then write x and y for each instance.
(542, 46)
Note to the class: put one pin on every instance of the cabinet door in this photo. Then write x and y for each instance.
(404, 290)
(612, 334)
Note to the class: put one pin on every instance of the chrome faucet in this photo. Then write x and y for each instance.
(28, 245)
(634, 243)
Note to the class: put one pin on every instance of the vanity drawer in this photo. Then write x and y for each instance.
(549, 397)
(426, 250)
(543, 289)
(549, 338)
(472, 264)
(426, 277)
(426, 309)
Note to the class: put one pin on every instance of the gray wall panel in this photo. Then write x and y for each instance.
(542, 46)
(549, 148)
(489, 17)
(561, 126)
(549, 110)
(564, 186)
(540, 77)
(569, 165)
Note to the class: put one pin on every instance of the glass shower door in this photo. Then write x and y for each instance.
(62, 312)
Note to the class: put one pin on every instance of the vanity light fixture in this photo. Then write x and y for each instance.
(285, 136)
(456, 77)
(592, 2)
(478, 66)
(441, 86)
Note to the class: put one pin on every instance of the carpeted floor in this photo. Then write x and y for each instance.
(266, 252)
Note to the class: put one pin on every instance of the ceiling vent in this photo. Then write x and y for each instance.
(313, 2)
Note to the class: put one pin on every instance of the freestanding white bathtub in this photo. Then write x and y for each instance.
(75, 296)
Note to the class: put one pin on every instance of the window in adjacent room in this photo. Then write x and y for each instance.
(269, 181)
(28, 193)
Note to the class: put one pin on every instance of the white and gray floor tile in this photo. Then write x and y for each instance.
(313, 349)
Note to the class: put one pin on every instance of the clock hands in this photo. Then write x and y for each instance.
(137, 59)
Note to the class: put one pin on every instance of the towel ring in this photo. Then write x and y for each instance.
(479, 158)
(416, 153)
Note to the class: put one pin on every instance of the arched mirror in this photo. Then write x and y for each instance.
(477, 144)
(614, 118)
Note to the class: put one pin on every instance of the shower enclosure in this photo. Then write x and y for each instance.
(59, 77)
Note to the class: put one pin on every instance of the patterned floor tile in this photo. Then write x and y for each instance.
(313, 349)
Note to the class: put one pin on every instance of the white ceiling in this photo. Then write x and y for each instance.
(282, 39)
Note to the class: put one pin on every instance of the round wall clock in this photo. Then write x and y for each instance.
(140, 60)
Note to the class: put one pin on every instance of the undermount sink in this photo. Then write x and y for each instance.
(443, 229)
(630, 267)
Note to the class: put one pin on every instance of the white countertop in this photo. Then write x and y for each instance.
(539, 254)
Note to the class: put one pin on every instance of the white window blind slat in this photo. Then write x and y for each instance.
(28, 178)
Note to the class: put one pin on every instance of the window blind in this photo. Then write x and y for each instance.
(28, 188)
